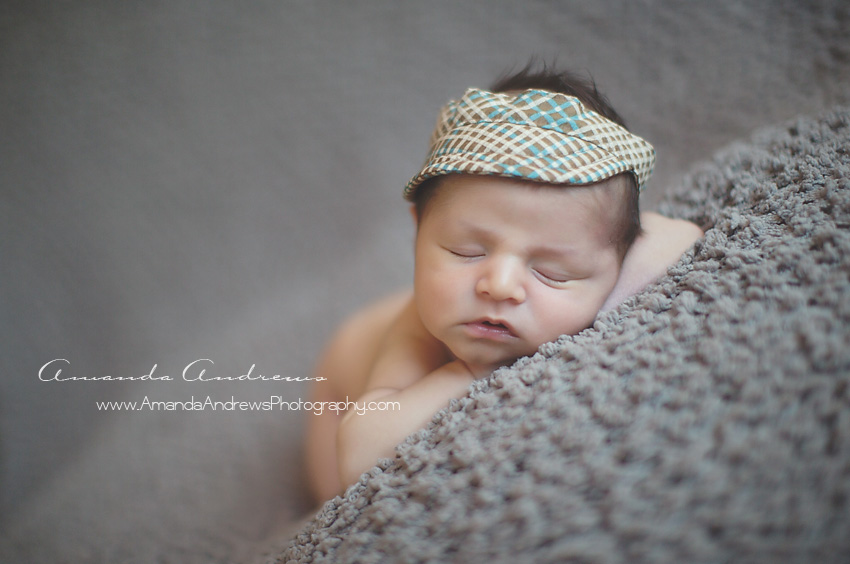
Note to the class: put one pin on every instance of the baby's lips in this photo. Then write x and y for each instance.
(496, 323)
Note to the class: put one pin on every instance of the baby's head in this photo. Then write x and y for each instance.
(525, 208)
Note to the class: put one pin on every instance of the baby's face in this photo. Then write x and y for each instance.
(503, 266)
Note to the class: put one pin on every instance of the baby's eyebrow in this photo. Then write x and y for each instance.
(475, 229)
(554, 250)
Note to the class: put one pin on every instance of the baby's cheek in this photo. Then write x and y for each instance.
(558, 321)
(548, 329)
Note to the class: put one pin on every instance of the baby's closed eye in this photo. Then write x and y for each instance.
(465, 252)
(552, 276)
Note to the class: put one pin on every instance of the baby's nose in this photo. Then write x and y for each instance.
(502, 280)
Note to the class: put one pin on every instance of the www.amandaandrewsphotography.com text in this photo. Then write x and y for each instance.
(273, 403)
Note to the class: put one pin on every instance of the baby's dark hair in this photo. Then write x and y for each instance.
(563, 82)
(628, 225)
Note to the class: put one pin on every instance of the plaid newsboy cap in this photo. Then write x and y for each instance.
(535, 135)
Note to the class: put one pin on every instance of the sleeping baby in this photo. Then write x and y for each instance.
(527, 226)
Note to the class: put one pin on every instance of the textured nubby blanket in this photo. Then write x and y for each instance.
(705, 420)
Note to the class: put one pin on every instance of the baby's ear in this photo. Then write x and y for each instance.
(414, 215)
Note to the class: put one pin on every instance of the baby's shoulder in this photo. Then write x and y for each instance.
(377, 316)
(352, 350)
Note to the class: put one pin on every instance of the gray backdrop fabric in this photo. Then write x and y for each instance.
(212, 180)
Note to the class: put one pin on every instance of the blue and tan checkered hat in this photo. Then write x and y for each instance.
(536, 135)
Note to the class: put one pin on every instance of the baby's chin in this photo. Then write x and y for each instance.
(482, 366)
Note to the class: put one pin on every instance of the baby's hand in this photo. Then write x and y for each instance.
(660, 246)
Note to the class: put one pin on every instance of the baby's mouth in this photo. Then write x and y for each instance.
(491, 328)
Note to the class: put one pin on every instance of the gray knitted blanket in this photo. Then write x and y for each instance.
(705, 420)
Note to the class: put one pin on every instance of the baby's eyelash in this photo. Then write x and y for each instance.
(555, 278)
(465, 254)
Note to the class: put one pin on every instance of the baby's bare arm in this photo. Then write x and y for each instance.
(341, 375)
(659, 247)
(413, 371)
(366, 436)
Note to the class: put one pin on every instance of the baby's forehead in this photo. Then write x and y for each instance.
(600, 202)
(603, 194)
